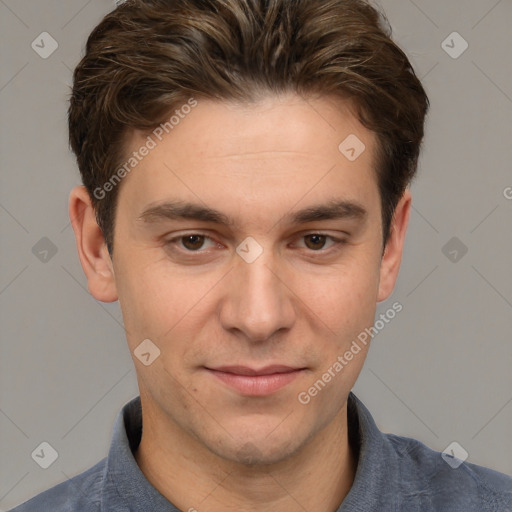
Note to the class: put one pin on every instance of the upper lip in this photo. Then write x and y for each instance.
(245, 370)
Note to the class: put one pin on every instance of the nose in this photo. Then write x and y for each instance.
(258, 301)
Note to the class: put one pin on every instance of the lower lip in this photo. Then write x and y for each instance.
(256, 385)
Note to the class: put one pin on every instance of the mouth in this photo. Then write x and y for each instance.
(256, 382)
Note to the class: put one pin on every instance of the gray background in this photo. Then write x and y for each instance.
(439, 372)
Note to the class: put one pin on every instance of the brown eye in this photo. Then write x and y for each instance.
(316, 241)
(193, 242)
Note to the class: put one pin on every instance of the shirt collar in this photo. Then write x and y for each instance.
(125, 482)
(375, 475)
(376, 472)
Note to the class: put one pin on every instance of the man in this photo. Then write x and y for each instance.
(246, 167)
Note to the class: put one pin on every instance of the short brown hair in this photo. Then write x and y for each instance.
(149, 56)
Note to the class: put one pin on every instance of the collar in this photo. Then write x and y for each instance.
(375, 475)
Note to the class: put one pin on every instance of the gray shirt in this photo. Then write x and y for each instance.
(393, 474)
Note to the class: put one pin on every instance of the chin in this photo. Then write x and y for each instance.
(257, 451)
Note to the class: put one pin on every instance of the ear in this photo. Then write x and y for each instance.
(91, 246)
(390, 263)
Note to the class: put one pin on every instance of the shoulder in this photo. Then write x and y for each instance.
(446, 483)
(81, 493)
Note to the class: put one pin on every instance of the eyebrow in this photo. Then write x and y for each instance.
(178, 210)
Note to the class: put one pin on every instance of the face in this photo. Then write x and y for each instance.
(247, 240)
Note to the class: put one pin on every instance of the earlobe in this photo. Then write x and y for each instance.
(91, 247)
(390, 263)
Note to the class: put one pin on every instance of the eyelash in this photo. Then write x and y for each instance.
(338, 243)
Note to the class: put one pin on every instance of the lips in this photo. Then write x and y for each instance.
(245, 370)
(254, 382)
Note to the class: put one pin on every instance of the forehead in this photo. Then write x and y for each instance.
(286, 123)
(280, 150)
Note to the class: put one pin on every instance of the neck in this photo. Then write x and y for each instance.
(318, 477)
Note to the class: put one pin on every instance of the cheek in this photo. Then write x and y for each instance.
(342, 306)
(144, 298)
(342, 301)
(158, 302)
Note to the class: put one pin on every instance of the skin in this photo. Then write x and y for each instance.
(300, 303)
